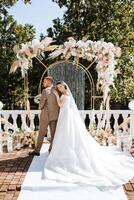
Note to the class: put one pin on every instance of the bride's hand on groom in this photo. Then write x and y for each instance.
(56, 93)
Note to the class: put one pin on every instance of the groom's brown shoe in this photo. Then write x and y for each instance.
(34, 153)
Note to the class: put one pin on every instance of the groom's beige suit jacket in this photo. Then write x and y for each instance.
(48, 117)
(48, 105)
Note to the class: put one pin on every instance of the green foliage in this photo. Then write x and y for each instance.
(11, 86)
(111, 20)
(9, 3)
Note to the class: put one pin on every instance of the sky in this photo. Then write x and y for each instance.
(40, 13)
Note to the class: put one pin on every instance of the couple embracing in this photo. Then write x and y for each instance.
(50, 106)
(74, 156)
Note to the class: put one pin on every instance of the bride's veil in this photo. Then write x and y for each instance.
(73, 105)
(75, 110)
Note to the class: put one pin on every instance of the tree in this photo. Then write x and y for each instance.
(11, 90)
(9, 3)
(108, 20)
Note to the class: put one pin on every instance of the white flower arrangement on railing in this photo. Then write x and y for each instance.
(104, 137)
(15, 141)
(110, 137)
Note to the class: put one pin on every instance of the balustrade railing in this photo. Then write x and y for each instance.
(93, 119)
(22, 120)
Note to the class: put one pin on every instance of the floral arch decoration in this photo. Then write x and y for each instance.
(104, 54)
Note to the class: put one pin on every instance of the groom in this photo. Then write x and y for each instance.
(49, 114)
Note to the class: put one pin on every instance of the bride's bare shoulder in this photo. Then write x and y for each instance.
(67, 94)
(64, 96)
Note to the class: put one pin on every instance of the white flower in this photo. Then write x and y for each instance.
(37, 98)
(47, 41)
(89, 43)
(82, 44)
(71, 43)
(24, 47)
(73, 52)
(35, 43)
(56, 53)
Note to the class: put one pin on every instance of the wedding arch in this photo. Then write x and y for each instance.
(104, 54)
(76, 67)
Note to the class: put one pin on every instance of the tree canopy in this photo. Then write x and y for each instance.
(9, 3)
(11, 86)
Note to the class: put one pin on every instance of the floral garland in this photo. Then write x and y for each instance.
(25, 53)
(105, 54)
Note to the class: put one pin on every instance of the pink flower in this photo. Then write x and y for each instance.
(99, 55)
(117, 52)
(29, 54)
(105, 59)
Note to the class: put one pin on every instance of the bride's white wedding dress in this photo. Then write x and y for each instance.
(77, 158)
(77, 167)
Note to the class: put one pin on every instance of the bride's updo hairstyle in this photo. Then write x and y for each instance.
(62, 83)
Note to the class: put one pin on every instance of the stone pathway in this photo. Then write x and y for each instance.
(13, 168)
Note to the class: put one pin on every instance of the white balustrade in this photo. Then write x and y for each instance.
(20, 119)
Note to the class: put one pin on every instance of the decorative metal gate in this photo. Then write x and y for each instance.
(74, 75)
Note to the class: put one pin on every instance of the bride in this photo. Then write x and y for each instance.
(77, 158)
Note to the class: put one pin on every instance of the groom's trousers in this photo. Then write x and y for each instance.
(42, 131)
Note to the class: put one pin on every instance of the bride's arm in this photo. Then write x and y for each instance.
(59, 100)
